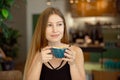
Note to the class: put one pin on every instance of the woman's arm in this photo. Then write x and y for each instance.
(41, 57)
(2, 53)
(77, 68)
(35, 70)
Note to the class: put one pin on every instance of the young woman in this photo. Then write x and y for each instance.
(41, 64)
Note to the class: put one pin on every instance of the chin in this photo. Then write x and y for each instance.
(55, 40)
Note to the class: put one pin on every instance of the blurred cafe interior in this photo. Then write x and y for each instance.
(93, 25)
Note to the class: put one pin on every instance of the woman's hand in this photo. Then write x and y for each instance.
(46, 54)
(69, 56)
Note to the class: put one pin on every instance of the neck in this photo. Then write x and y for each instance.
(54, 44)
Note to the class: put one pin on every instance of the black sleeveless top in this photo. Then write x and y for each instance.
(62, 73)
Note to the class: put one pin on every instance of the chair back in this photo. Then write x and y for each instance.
(11, 75)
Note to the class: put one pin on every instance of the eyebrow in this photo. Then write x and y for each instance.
(56, 22)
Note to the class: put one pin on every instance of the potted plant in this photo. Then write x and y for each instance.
(8, 35)
(10, 44)
(10, 47)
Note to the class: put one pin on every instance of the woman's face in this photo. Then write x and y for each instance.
(55, 28)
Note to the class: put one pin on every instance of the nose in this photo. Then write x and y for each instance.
(54, 28)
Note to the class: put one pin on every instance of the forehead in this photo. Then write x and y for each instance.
(54, 18)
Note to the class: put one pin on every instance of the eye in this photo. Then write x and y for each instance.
(60, 24)
(49, 25)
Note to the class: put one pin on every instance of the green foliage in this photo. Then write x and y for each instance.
(9, 44)
(5, 6)
(8, 36)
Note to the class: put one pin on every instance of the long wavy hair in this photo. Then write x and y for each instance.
(39, 39)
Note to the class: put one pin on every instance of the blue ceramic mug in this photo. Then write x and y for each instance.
(58, 52)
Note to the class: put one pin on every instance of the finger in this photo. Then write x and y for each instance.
(47, 51)
(69, 48)
(47, 48)
(68, 55)
(68, 51)
(46, 60)
(66, 59)
(49, 56)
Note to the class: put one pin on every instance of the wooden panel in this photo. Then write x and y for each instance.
(86, 56)
(93, 8)
(105, 75)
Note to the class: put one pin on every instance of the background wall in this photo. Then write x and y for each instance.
(19, 22)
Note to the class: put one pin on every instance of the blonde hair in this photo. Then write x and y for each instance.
(39, 39)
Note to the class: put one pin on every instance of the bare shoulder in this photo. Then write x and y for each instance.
(79, 53)
(77, 49)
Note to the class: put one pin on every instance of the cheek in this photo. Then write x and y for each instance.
(47, 33)
(62, 30)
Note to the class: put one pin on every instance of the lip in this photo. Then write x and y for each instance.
(55, 35)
